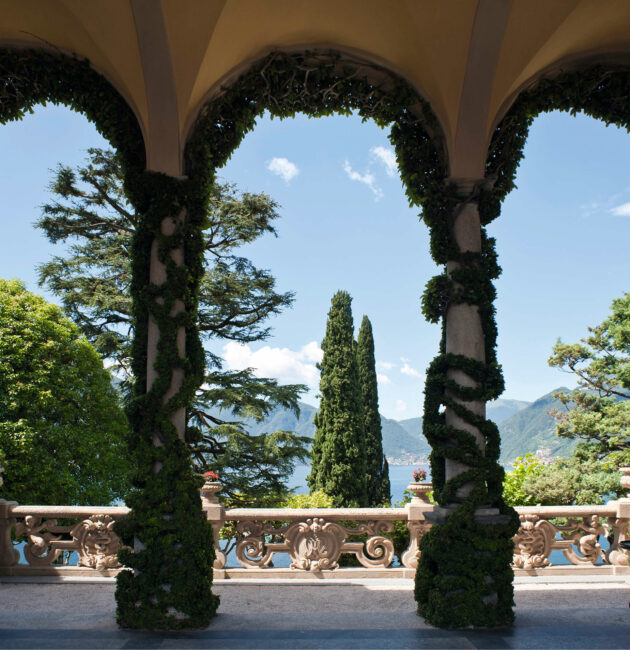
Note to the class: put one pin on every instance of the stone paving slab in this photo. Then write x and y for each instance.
(377, 615)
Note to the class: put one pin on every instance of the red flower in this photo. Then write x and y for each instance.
(419, 475)
(211, 475)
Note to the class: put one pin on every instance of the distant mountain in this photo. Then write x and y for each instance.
(401, 442)
(524, 426)
(532, 428)
(413, 426)
(398, 443)
(283, 420)
(500, 409)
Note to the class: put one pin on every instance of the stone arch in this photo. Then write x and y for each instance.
(598, 85)
(466, 373)
(465, 448)
(319, 82)
(32, 76)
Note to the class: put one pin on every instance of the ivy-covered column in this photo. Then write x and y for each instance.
(169, 582)
(464, 576)
(464, 335)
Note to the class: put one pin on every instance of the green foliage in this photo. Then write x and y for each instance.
(598, 411)
(524, 470)
(316, 499)
(377, 477)
(600, 92)
(338, 464)
(164, 589)
(93, 279)
(62, 428)
(581, 479)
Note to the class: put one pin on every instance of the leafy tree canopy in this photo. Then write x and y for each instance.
(598, 411)
(236, 298)
(579, 479)
(62, 427)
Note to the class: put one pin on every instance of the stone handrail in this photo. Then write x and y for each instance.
(314, 538)
(91, 535)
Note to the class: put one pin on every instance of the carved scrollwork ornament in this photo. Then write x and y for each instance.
(39, 549)
(315, 544)
(251, 550)
(97, 543)
(533, 543)
(585, 538)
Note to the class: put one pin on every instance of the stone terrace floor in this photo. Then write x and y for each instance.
(550, 613)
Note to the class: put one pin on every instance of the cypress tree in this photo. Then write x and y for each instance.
(338, 454)
(377, 478)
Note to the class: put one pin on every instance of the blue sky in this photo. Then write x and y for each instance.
(345, 224)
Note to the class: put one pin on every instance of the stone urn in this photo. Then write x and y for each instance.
(209, 492)
(420, 491)
(625, 479)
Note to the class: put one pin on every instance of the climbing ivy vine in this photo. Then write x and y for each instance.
(169, 584)
(464, 576)
(452, 593)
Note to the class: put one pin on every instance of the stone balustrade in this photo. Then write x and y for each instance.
(49, 531)
(313, 539)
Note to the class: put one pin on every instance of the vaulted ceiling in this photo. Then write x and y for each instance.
(468, 58)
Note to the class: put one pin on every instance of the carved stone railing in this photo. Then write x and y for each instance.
(51, 531)
(574, 530)
(314, 539)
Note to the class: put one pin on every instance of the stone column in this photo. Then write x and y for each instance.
(158, 276)
(8, 555)
(464, 332)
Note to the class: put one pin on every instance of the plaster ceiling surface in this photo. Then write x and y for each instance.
(102, 31)
(542, 33)
(419, 39)
(468, 58)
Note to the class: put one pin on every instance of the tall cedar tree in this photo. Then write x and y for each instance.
(338, 452)
(93, 278)
(377, 478)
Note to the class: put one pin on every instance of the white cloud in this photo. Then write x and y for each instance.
(288, 366)
(622, 210)
(312, 352)
(408, 370)
(385, 365)
(383, 379)
(401, 406)
(387, 157)
(367, 179)
(283, 168)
